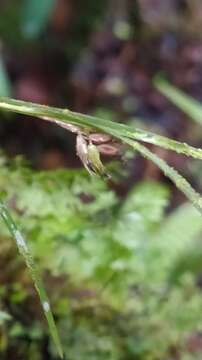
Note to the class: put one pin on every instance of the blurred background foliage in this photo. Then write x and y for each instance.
(121, 259)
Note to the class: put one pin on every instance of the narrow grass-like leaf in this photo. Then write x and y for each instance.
(121, 132)
(25, 252)
(115, 129)
(186, 103)
(35, 15)
(5, 85)
(180, 182)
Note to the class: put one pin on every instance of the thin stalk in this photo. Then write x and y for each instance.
(180, 182)
(25, 252)
(121, 132)
(186, 103)
(115, 129)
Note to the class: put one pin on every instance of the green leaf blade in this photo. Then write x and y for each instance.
(117, 130)
(5, 85)
(25, 252)
(186, 103)
(181, 183)
(121, 132)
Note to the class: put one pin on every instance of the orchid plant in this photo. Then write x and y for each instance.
(95, 137)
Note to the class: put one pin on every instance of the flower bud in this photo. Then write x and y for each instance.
(97, 138)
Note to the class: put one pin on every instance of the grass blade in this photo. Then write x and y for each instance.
(180, 182)
(110, 127)
(120, 131)
(186, 103)
(25, 252)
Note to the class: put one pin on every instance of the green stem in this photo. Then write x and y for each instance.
(181, 183)
(123, 133)
(25, 252)
(120, 131)
(115, 129)
(186, 103)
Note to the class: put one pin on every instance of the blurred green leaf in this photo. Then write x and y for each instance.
(122, 132)
(149, 199)
(5, 85)
(119, 267)
(4, 316)
(35, 16)
(186, 103)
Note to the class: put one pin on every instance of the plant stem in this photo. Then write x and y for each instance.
(181, 183)
(25, 252)
(115, 129)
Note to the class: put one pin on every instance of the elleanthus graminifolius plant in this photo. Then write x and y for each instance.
(92, 135)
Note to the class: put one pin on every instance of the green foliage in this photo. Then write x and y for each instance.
(125, 134)
(4, 316)
(35, 16)
(24, 21)
(123, 271)
(5, 86)
(26, 254)
(119, 258)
